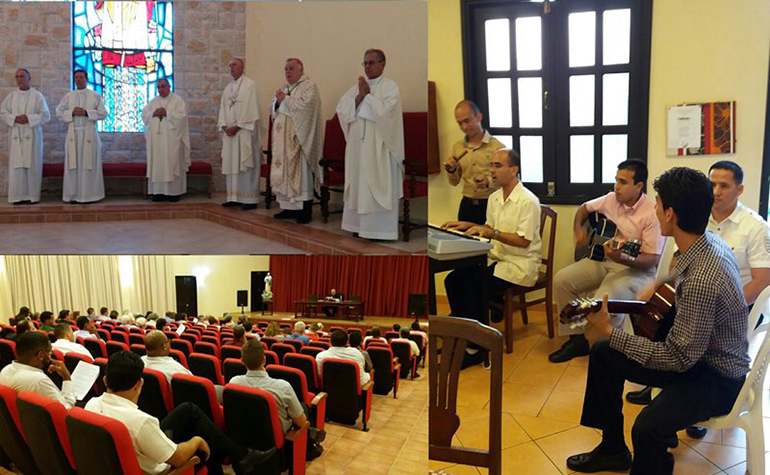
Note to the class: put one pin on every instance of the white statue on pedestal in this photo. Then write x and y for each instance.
(267, 294)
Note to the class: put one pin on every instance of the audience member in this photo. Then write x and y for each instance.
(299, 333)
(86, 328)
(375, 336)
(46, 321)
(354, 340)
(339, 350)
(65, 340)
(158, 349)
(239, 336)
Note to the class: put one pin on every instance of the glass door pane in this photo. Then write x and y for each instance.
(498, 44)
(581, 158)
(499, 93)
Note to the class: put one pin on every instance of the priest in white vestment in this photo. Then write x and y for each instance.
(297, 143)
(25, 111)
(241, 144)
(168, 144)
(371, 119)
(82, 109)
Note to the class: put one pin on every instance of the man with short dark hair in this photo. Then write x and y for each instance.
(29, 372)
(354, 340)
(513, 227)
(339, 349)
(174, 440)
(86, 328)
(470, 163)
(239, 337)
(290, 410)
(703, 360)
(46, 321)
(22, 326)
(65, 340)
(103, 314)
(618, 275)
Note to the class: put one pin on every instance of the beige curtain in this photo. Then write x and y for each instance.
(57, 282)
(153, 287)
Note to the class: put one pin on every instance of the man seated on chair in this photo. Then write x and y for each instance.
(46, 321)
(354, 341)
(618, 275)
(239, 337)
(184, 432)
(413, 348)
(702, 363)
(333, 296)
(375, 336)
(747, 234)
(157, 358)
(65, 340)
(513, 226)
(29, 372)
(86, 328)
(290, 410)
(299, 333)
(339, 350)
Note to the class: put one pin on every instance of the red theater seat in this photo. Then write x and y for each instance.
(347, 398)
(43, 421)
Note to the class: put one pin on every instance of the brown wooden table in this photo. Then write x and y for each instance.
(348, 309)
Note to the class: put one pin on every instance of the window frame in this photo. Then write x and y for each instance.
(555, 73)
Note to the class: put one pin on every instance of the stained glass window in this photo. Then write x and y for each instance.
(125, 47)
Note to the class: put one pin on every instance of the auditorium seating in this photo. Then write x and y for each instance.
(155, 398)
(315, 402)
(97, 347)
(269, 341)
(135, 339)
(11, 439)
(251, 420)
(307, 364)
(311, 350)
(230, 352)
(347, 398)
(281, 349)
(179, 356)
(139, 349)
(115, 347)
(403, 351)
(182, 344)
(233, 367)
(297, 344)
(199, 391)
(43, 423)
(387, 373)
(206, 366)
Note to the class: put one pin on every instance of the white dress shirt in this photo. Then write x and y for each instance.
(351, 354)
(166, 365)
(65, 346)
(748, 235)
(22, 377)
(285, 397)
(86, 334)
(151, 445)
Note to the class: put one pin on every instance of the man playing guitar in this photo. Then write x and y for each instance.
(633, 213)
(702, 362)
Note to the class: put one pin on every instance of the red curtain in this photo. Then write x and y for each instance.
(383, 282)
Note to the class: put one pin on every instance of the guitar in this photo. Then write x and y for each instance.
(600, 230)
(651, 319)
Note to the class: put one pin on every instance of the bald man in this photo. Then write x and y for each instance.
(470, 163)
(241, 145)
(157, 358)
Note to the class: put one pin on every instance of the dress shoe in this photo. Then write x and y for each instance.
(248, 206)
(253, 458)
(697, 432)
(472, 359)
(596, 461)
(306, 215)
(22, 202)
(158, 197)
(575, 346)
(230, 204)
(641, 398)
(286, 214)
(173, 199)
(319, 435)
(313, 452)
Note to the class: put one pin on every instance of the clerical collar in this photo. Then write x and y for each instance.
(375, 81)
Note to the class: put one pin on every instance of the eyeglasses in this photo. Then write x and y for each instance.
(370, 63)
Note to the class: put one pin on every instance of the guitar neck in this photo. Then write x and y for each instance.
(623, 306)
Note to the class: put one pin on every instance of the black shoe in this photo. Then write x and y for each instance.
(318, 435)
(253, 458)
(73, 202)
(697, 432)
(230, 204)
(575, 346)
(173, 199)
(248, 206)
(595, 461)
(472, 359)
(22, 202)
(306, 215)
(641, 398)
(286, 214)
(158, 197)
(313, 452)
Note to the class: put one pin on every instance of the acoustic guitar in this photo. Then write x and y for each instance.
(600, 230)
(651, 319)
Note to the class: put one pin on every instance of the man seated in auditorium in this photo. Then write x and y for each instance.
(702, 363)
(65, 340)
(618, 275)
(86, 328)
(405, 338)
(64, 316)
(299, 333)
(340, 350)
(29, 372)
(213, 322)
(375, 336)
(46, 321)
(90, 313)
(158, 349)
(417, 330)
(513, 227)
(354, 340)
(239, 337)
(22, 326)
(290, 410)
(23, 313)
(184, 432)
(103, 314)
(334, 296)
(313, 331)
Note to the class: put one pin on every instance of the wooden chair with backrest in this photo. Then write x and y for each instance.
(544, 282)
(453, 336)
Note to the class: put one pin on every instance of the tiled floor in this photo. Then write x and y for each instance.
(178, 236)
(317, 237)
(542, 403)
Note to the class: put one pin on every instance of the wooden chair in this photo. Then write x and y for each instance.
(544, 281)
(415, 167)
(333, 164)
(264, 169)
(454, 334)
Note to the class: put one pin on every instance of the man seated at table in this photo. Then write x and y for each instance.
(331, 311)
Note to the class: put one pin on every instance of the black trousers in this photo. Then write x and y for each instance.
(187, 420)
(330, 312)
(469, 290)
(686, 399)
(475, 213)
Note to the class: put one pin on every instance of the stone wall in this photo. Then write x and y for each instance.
(37, 37)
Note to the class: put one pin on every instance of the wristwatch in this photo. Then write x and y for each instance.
(495, 233)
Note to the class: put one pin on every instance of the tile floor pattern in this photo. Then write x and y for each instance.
(178, 236)
(396, 444)
(542, 403)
